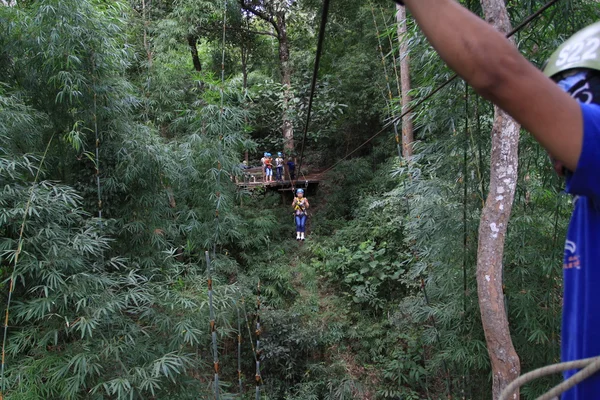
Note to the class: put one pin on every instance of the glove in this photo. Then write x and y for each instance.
(399, 2)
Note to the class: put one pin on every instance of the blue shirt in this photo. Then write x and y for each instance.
(581, 268)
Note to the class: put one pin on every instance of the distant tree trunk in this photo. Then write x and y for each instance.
(407, 125)
(276, 17)
(194, 50)
(146, 44)
(244, 58)
(286, 81)
(492, 232)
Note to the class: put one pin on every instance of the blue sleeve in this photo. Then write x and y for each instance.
(585, 181)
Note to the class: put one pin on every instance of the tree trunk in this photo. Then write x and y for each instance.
(276, 17)
(286, 81)
(146, 44)
(244, 59)
(194, 50)
(492, 232)
(407, 125)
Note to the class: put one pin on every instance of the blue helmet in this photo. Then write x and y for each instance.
(266, 154)
(300, 191)
(279, 154)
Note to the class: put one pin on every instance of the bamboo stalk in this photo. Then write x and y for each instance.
(239, 351)
(213, 325)
(258, 350)
(13, 275)
(387, 82)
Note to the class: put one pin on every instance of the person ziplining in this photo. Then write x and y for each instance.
(300, 205)
(561, 108)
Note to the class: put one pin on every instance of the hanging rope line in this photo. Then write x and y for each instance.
(588, 366)
(13, 275)
(250, 336)
(393, 121)
(313, 84)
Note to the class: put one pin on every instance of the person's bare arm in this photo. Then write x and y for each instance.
(496, 70)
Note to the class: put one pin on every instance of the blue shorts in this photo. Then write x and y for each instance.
(269, 171)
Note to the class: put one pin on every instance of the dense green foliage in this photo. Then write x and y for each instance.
(381, 300)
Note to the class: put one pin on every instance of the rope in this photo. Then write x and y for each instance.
(249, 333)
(324, 14)
(588, 366)
(13, 275)
(522, 25)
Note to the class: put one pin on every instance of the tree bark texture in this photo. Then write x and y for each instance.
(407, 124)
(194, 50)
(492, 232)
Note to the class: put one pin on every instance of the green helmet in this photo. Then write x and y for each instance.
(582, 50)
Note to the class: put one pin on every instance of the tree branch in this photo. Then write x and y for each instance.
(233, 28)
(264, 16)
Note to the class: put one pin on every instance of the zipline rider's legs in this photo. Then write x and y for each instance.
(300, 205)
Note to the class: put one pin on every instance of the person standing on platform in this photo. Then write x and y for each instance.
(269, 168)
(264, 166)
(291, 168)
(279, 167)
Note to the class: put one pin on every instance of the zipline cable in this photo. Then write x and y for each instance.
(522, 25)
(313, 85)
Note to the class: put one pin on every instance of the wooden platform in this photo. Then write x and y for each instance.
(253, 178)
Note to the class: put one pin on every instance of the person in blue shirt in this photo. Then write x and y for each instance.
(291, 168)
(561, 108)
